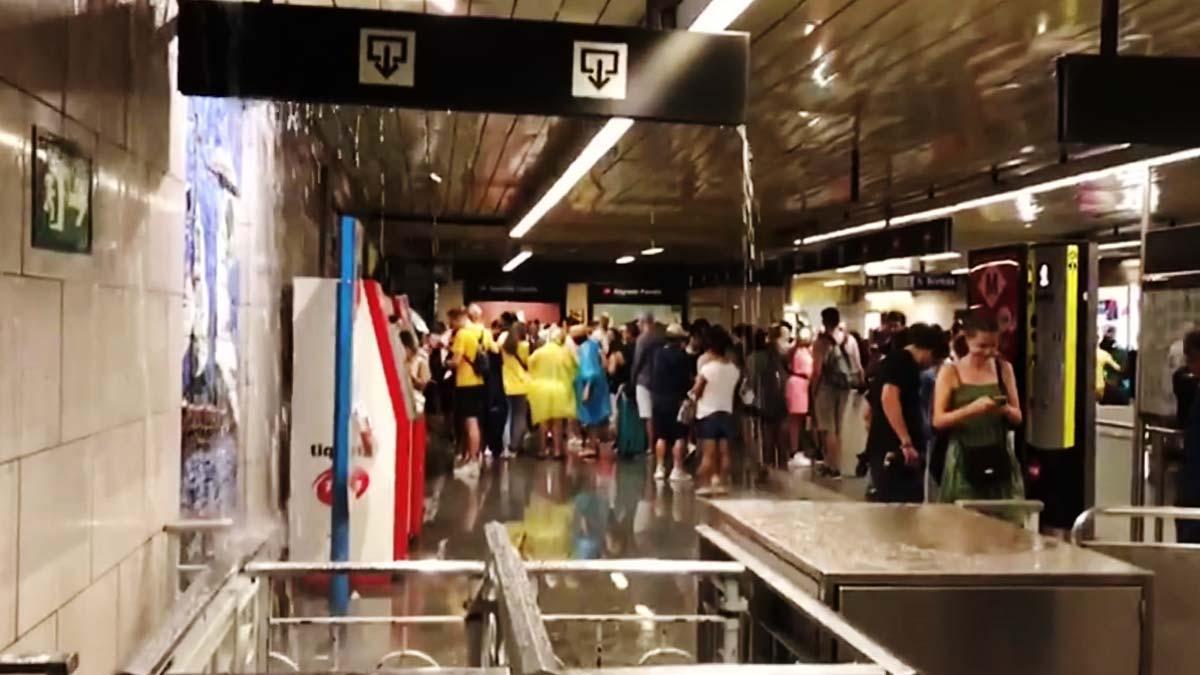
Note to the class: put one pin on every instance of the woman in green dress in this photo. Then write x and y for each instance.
(976, 403)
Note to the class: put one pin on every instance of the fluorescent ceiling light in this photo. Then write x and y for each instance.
(936, 257)
(892, 266)
(716, 17)
(602, 142)
(625, 259)
(445, 6)
(433, 176)
(1118, 245)
(654, 249)
(619, 580)
(849, 269)
(517, 259)
(1000, 197)
(835, 283)
(961, 271)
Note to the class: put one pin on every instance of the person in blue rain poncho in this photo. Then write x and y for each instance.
(594, 406)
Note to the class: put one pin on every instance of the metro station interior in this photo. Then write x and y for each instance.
(282, 282)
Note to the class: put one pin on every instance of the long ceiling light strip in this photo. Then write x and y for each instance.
(1000, 197)
(716, 17)
(517, 260)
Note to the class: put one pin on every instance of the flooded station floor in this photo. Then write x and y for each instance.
(553, 510)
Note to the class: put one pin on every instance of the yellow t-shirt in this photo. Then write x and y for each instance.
(1104, 362)
(516, 370)
(466, 345)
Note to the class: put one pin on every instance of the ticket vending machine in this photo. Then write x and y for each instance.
(1060, 395)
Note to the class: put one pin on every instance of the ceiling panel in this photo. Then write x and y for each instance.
(945, 96)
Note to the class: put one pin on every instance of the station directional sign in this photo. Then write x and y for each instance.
(434, 62)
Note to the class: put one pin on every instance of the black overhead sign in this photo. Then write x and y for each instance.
(397, 59)
(902, 242)
(1128, 99)
(913, 282)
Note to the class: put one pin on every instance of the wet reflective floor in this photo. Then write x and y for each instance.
(606, 508)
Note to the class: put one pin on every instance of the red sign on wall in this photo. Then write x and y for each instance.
(996, 288)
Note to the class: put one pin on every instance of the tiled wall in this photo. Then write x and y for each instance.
(90, 346)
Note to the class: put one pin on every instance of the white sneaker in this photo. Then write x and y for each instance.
(799, 461)
(678, 475)
(660, 472)
(473, 469)
(508, 455)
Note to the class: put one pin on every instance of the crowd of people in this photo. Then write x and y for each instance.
(699, 399)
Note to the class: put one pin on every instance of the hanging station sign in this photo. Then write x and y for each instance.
(913, 282)
(426, 61)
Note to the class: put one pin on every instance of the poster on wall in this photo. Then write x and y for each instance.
(996, 287)
(212, 295)
(62, 195)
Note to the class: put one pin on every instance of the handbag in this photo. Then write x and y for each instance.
(687, 411)
(987, 465)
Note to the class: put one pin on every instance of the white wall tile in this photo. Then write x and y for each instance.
(30, 334)
(163, 444)
(143, 594)
(82, 398)
(40, 639)
(119, 489)
(14, 153)
(8, 552)
(87, 625)
(55, 530)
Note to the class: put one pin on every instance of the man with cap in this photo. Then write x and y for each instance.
(671, 378)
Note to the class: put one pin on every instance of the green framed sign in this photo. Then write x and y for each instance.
(62, 195)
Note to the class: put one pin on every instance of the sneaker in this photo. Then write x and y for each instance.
(826, 471)
(508, 455)
(660, 472)
(706, 491)
(678, 475)
(719, 488)
(799, 461)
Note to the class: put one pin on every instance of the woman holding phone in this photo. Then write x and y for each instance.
(975, 403)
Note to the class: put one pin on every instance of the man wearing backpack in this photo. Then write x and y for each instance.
(837, 370)
(470, 355)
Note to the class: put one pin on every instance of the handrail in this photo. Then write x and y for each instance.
(154, 655)
(807, 604)
(634, 566)
(187, 525)
(63, 663)
(428, 566)
(525, 638)
(1165, 431)
(1171, 512)
(1116, 424)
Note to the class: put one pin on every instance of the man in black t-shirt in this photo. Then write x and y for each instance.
(895, 442)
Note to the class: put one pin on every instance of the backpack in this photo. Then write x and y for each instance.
(836, 369)
(482, 363)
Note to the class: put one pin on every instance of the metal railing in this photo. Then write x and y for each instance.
(63, 663)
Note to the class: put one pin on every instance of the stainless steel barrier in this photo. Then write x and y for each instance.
(194, 544)
(838, 640)
(34, 664)
(521, 632)
(157, 653)
(1028, 509)
(1175, 609)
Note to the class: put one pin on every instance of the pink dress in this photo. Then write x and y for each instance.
(797, 387)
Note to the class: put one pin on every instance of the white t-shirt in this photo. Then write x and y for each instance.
(720, 382)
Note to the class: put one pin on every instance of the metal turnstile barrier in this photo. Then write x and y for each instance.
(38, 664)
(1175, 606)
(504, 627)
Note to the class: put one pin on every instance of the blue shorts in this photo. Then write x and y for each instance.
(718, 426)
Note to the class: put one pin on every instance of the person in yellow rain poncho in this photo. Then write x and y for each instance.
(551, 390)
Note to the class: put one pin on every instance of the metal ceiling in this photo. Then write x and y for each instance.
(948, 96)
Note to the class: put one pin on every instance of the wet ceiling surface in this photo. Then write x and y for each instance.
(948, 96)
